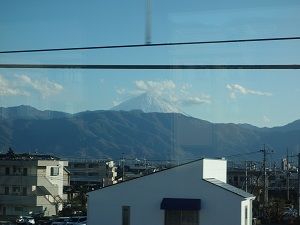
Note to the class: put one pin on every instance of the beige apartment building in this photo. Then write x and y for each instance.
(32, 184)
(92, 172)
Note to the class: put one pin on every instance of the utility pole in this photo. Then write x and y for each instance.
(123, 167)
(265, 177)
(265, 180)
(298, 156)
(246, 177)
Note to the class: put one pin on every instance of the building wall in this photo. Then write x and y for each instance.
(92, 172)
(30, 191)
(214, 168)
(145, 194)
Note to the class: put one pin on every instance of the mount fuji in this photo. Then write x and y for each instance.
(147, 102)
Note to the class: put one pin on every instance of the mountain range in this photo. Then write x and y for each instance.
(110, 133)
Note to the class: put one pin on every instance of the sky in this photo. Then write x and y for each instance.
(259, 97)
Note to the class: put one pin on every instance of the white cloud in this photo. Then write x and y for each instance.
(156, 87)
(121, 91)
(116, 102)
(236, 89)
(196, 100)
(7, 88)
(266, 119)
(167, 90)
(44, 87)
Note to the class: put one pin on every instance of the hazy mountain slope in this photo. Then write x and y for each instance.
(98, 134)
(28, 112)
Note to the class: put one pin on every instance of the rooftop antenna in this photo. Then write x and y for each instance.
(148, 22)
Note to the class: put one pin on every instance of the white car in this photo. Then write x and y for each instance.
(25, 220)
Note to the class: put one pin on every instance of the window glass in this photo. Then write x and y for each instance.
(24, 191)
(181, 217)
(246, 215)
(125, 215)
(7, 169)
(6, 190)
(25, 171)
(54, 171)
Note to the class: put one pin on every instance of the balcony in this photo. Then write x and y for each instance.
(18, 200)
(18, 179)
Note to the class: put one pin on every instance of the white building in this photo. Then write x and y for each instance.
(31, 183)
(195, 193)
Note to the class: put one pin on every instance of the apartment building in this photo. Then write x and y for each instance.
(31, 184)
(92, 172)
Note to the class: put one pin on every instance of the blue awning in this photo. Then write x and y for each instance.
(180, 204)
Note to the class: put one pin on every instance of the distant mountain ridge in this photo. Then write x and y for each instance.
(28, 112)
(105, 133)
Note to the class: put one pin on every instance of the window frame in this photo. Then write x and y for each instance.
(125, 215)
(182, 215)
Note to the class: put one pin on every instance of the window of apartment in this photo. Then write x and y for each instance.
(94, 165)
(125, 215)
(7, 171)
(54, 171)
(25, 171)
(6, 190)
(93, 174)
(24, 191)
(79, 174)
(16, 189)
(18, 209)
(181, 217)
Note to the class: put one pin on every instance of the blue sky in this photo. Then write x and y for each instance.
(262, 98)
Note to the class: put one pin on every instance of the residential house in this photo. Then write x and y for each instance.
(194, 193)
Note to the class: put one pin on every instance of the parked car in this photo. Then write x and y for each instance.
(289, 214)
(25, 220)
(43, 220)
(78, 220)
(60, 221)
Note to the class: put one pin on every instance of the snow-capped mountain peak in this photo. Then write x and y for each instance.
(147, 102)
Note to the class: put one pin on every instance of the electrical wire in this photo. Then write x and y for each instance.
(153, 67)
(241, 154)
(151, 45)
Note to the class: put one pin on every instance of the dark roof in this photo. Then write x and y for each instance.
(229, 187)
(26, 156)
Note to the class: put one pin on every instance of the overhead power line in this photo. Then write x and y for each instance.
(241, 154)
(152, 45)
(152, 67)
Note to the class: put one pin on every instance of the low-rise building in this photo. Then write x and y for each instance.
(193, 193)
(32, 184)
(92, 172)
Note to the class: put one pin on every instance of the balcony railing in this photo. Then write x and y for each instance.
(15, 200)
(17, 179)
